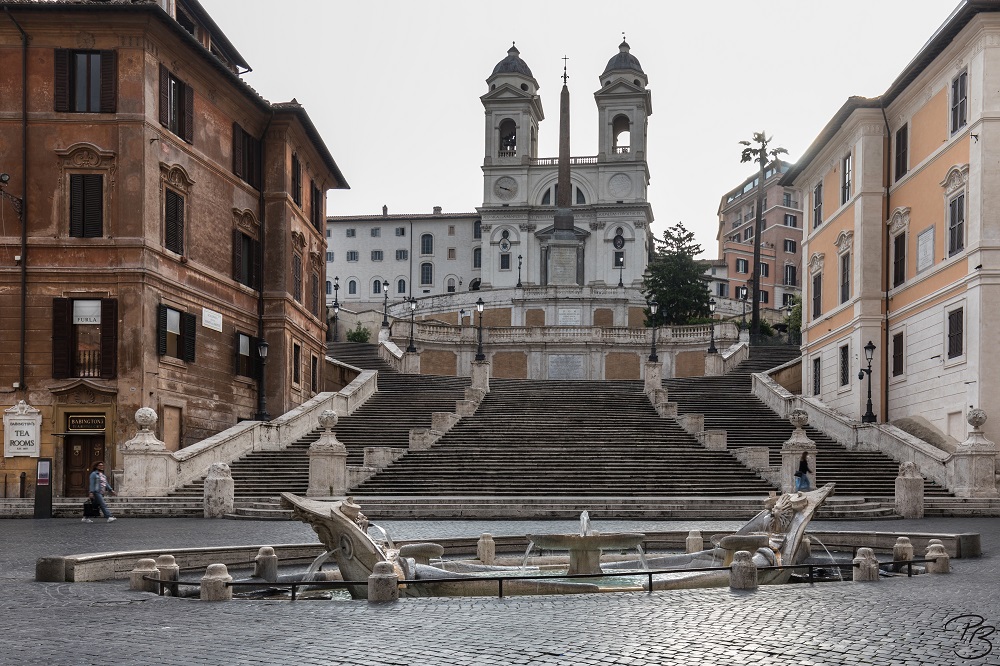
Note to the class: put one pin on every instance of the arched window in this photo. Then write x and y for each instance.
(474, 284)
(477, 257)
(426, 273)
(451, 285)
(329, 287)
(377, 286)
(547, 198)
(352, 288)
(477, 229)
(580, 199)
(508, 138)
(427, 244)
(620, 131)
(401, 286)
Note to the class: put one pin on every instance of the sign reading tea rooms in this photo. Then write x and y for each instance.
(22, 425)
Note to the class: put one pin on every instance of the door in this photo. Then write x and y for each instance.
(82, 452)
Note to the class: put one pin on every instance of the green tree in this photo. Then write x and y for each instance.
(675, 280)
(794, 319)
(359, 334)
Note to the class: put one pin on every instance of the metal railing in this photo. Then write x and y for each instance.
(87, 363)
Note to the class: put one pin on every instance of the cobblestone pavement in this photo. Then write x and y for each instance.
(894, 621)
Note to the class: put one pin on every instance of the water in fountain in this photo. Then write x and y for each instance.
(585, 523)
(642, 557)
(310, 573)
(833, 562)
(385, 535)
(527, 553)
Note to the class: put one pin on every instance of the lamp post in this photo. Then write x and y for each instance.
(868, 416)
(461, 318)
(385, 304)
(336, 305)
(743, 298)
(711, 331)
(519, 259)
(16, 202)
(413, 310)
(621, 270)
(262, 414)
(480, 356)
(653, 307)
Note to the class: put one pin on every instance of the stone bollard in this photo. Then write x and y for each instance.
(865, 566)
(943, 563)
(50, 569)
(213, 584)
(743, 572)
(486, 549)
(265, 565)
(383, 584)
(167, 567)
(909, 491)
(144, 567)
(694, 542)
(902, 552)
(219, 494)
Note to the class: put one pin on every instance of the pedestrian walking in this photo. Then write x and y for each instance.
(802, 475)
(99, 486)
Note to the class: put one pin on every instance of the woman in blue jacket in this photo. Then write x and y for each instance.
(98, 487)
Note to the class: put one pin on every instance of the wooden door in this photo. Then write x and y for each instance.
(82, 452)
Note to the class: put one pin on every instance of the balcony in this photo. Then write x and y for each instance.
(87, 363)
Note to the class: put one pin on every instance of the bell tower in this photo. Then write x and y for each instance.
(623, 105)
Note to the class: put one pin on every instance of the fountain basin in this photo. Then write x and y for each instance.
(585, 549)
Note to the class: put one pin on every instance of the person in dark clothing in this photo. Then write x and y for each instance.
(802, 475)
(99, 486)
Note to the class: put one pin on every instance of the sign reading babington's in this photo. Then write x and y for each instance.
(22, 426)
(90, 422)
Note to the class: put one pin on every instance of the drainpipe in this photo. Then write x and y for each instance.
(887, 276)
(261, 389)
(24, 197)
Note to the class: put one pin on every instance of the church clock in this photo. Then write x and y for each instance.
(505, 188)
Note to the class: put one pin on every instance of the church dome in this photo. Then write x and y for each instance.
(623, 60)
(513, 64)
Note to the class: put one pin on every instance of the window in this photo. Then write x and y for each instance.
(84, 338)
(451, 253)
(451, 286)
(897, 354)
(402, 255)
(296, 180)
(742, 293)
(351, 233)
(748, 233)
(817, 295)
(426, 274)
(742, 266)
(817, 384)
(786, 199)
(845, 277)
(329, 257)
(959, 101)
(329, 232)
(377, 286)
(314, 293)
(902, 146)
(376, 232)
(723, 290)
(246, 156)
(956, 224)
(818, 204)
(329, 288)
(426, 244)
(175, 333)
(787, 300)
(619, 259)
(451, 229)
(791, 277)
(176, 105)
(246, 259)
(762, 296)
(505, 261)
(400, 286)
(173, 222)
(477, 229)
(86, 81)
(316, 205)
(735, 238)
(86, 205)
(352, 255)
(400, 231)
(790, 245)
(297, 277)
(477, 257)
(956, 329)
(314, 375)
(791, 220)
(580, 198)
(845, 366)
(245, 349)
(352, 287)
(296, 363)
(763, 269)
(899, 260)
(376, 255)
(845, 179)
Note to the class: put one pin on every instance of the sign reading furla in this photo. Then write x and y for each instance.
(22, 425)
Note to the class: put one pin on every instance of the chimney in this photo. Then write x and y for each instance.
(385, 210)
(437, 210)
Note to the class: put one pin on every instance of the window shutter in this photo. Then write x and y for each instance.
(238, 151)
(62, 334)
(93, 205)
(109, 81)
(189, 328)
(174, 222)
(164, 96)
(257, 276)
(315, 294)
(109, 338)
(161, 329)
(188, 92)
(61, 80)
(236, 352)
(76, 200)
(238, 255)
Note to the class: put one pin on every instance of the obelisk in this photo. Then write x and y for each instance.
(564, 251)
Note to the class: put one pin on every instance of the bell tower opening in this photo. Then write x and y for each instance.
(621, 132)
(508, 138)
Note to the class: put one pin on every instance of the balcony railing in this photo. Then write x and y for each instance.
(507, 153)
(554, 161)
(622, 150)
(88, 363)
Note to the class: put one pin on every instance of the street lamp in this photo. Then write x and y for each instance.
(385, 304)
(262, 414)
(653, 307)
(743, 297)
(413, 310)
(519, 259)
(869, 416)
(16, 202)
(461, 318)
(621, 269)
(480, 356)
(711, 331)
(336, 305)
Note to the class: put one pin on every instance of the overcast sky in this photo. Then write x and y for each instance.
(393, 86)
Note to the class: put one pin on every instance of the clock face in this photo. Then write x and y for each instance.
(619, 185)
(505, 188)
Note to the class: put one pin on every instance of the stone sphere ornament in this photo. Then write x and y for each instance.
(799, 418)
(146, 418)
(328, 419)
(976, 418)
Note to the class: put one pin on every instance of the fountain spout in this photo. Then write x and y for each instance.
(585, 523)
